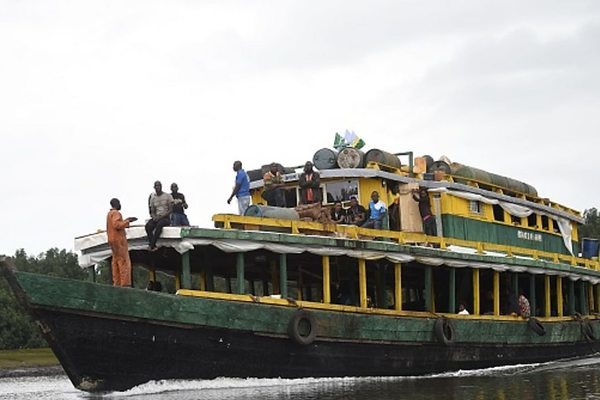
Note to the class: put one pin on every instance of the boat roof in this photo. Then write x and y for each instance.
(94, 249)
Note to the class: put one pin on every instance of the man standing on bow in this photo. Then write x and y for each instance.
(117, 240)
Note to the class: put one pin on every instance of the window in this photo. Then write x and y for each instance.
(498, 213)
(545, 224)
(475, 207)
(532, 220)
(340, 191)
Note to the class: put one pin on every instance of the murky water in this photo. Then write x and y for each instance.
(574, 379)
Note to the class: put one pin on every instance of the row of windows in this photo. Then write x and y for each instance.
(476, 207)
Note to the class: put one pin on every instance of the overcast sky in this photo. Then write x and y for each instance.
(100, 99)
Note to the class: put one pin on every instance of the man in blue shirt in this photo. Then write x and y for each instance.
(241, 190)
(376, 213)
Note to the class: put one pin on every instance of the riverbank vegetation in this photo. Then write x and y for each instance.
(25, 358)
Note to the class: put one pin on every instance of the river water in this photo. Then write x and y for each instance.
(574, 379)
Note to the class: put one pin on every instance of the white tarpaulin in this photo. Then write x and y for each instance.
(566, 228)
(516, 210)
(135, 232)
(235, 246)
(468, 196)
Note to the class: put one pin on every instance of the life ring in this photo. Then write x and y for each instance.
(535, 325)
(587, 330)
(444, 331)
(302, 327)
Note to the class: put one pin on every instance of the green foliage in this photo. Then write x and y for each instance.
(591, 227)
(53, 262)
(17, 330)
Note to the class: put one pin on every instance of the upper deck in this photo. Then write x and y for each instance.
(498, 213)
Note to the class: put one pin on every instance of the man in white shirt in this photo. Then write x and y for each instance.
(160, 205)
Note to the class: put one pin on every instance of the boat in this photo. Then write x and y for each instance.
(274, 293)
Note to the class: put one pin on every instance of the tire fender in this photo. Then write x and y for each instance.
(535, 325)
(587, 330)
(444, 331)
(302, 327)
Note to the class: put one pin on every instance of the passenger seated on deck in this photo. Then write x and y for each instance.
(462, 310)
(160, 206)
(356, 214)
(376, 214)
(274, 193)
(338, 214)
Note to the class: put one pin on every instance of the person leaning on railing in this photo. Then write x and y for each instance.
(422, 197)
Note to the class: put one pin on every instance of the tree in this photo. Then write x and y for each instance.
(591, 227)
(17, 330)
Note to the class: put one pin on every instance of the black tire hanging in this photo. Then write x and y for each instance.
(302, 327)
(535, 325)
(587, 330)
(444, 331)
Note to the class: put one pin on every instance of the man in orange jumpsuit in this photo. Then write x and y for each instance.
(115, 229)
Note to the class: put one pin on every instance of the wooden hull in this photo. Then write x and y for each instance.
(110, 338)
(102, 354)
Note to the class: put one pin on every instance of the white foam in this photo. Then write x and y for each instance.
(163, 386)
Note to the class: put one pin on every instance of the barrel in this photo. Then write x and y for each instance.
(257, 174)
(428, 161)
(439, 166)
(350, 157)
(271, 212)
(325, 159)
(589, 247)
(480, 175)
(382, 157)
(470, 173)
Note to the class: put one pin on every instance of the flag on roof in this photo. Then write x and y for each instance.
(350, 139)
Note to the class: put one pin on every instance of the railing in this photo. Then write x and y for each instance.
(230, 221)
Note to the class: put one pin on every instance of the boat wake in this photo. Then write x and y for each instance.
(238, 385)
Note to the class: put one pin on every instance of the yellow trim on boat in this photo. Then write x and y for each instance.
(398, 286)
(326, 281)
(559, 296)
(267, 300)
